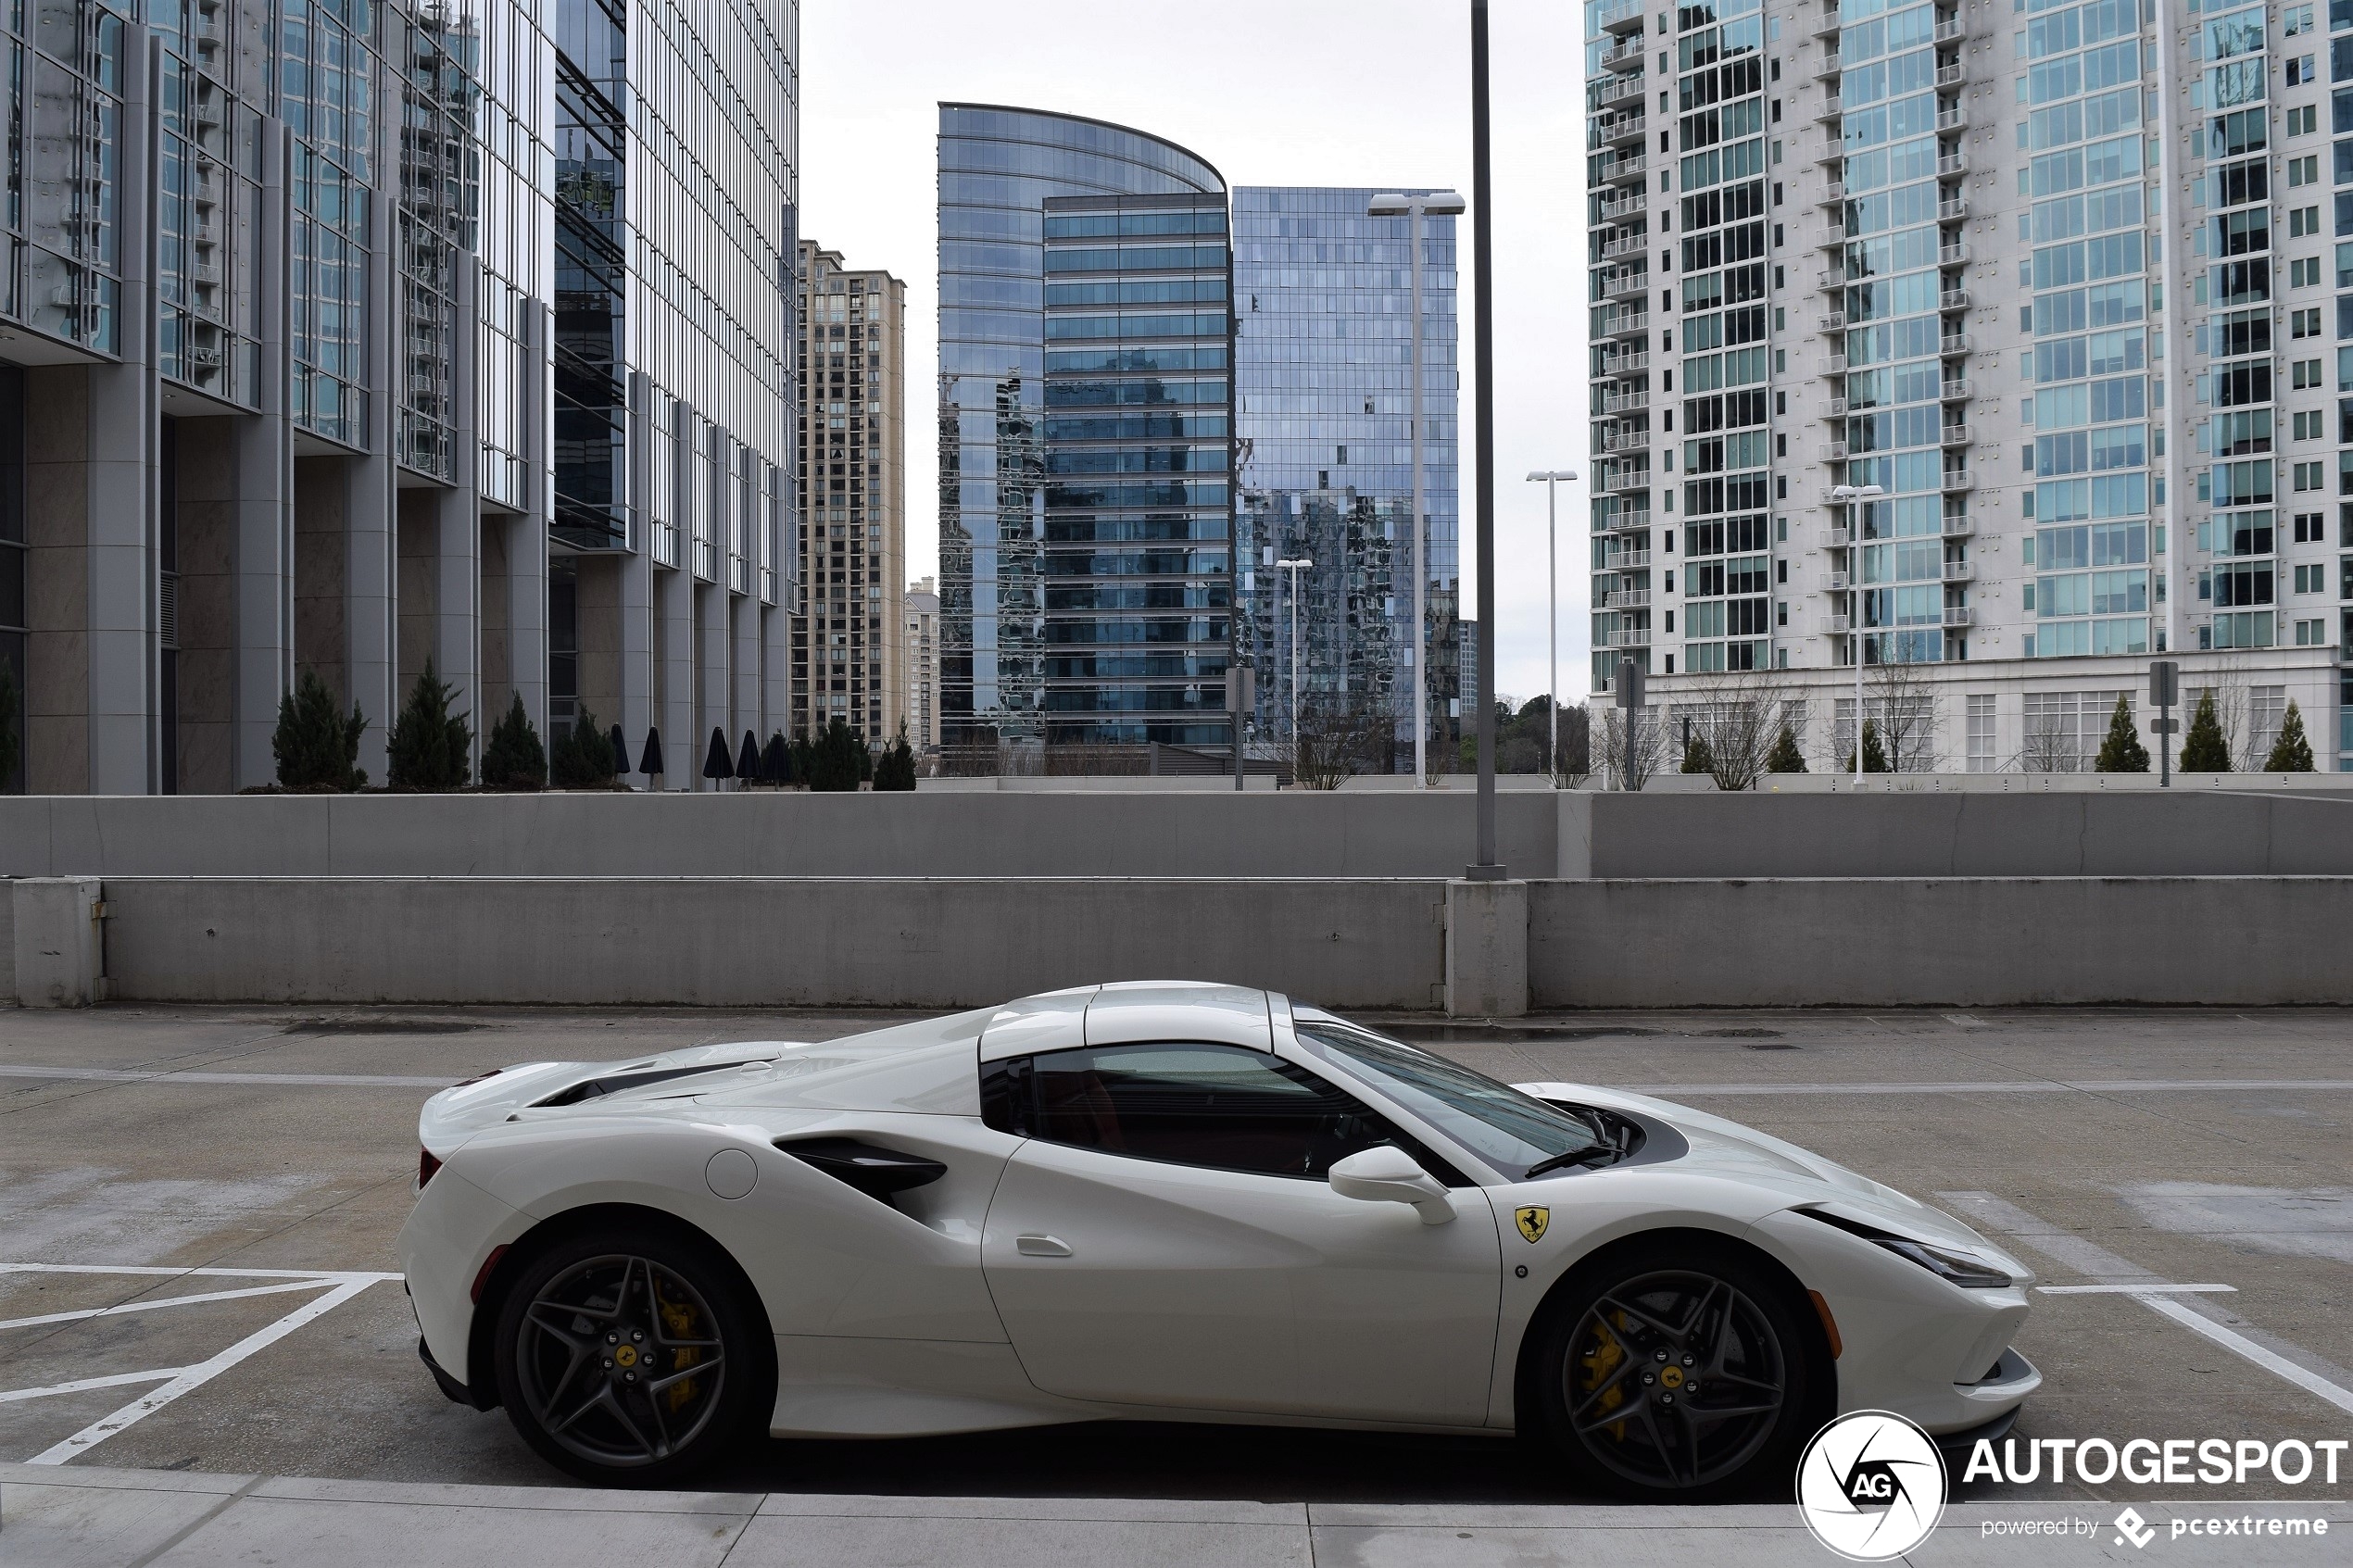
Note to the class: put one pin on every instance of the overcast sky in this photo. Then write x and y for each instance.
(1274, 92)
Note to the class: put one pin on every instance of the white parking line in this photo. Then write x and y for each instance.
(2107, 1290)
(2012, 1086)
(340, 1286)
(2121, 1276)
(135, 1075)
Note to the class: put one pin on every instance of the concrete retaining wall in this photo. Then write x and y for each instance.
(738, 942)
(1089, 833)
(2215, 941)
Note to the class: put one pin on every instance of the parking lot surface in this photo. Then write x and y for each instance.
(198, 1209)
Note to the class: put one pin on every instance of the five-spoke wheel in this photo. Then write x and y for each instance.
(1663, 1374)
(626, 1356)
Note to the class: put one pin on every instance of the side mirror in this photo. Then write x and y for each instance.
(1388, 1174)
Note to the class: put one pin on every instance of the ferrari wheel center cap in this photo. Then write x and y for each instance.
(627, 1355)
(1671, 1377)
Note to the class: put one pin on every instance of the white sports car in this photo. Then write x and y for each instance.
(1174, 1201)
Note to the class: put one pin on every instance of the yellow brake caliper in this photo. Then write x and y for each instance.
(1601, 1359)
(679, 1319)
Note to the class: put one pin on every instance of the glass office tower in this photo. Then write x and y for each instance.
(1323, 305)
(1044, 635)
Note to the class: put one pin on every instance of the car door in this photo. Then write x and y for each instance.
(1167, 1237)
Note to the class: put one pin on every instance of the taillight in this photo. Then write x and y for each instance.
(426, 1166)
(489, 1265)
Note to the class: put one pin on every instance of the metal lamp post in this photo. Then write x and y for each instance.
(1553, 617)
(1413, 209)
(1294, 567)
(1850, 494)
(1486, 867)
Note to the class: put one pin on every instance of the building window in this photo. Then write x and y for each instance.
(1981, 758)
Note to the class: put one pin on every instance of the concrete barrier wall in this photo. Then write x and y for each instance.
(2212, 941)
(777, 942)
(1125, 832)
(1104, 832)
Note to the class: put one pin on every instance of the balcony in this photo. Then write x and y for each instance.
(1623, 364)
(1833, 453)
(1627, 244)
(1959, 527)
(1617, 206)
(1616, 129)
(1956, 254)
(1950, 33)
(1627, 522)
(1624, 560)
(1834, 237)
(1839, 535)
(1836, 409)
(1625, 16)
(1833, 194)
(1624, 637)
(1832, 148)
(1608, 443)
(1953, 299)
(1960, 572)
(1956, 436)
(1837, 583)
(1830, 109)
(1627, 323)
(1625, 55)
(1954, 392)
(1829, 24)
(1959, 482)
(1955, 346)
(1630, 401)
(1612, 90)
(1838, 625)
(1624, 598)
(1626, 283)
(1951, 210)
(1626, 171)
(1618, 477)
(1834, 280)
(1833, 322)
(1951, 166)
(1828, 66)
(1959, 616)
(1952, 119)
(1834, 365)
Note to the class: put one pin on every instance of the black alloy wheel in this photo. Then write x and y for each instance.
(630, 1358)
(1666, 1374)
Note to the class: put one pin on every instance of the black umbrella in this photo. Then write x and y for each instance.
(649, 759)
(620, 753)
(714, 763)
(747, 760)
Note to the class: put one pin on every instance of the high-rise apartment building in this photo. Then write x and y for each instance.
(1086, 428)
(848, 645)
(1323, 373)
(348, 336)
(923, 664)
(2047, 285)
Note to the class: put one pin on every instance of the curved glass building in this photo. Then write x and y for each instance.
(1086, 414)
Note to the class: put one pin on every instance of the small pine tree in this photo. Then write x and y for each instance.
(427, 747)
(316, 745)
(1874, 757)
(582, 756)
(2123, 752)
(775, 760)
(11, 748)
(837, 762)
(2291, 753)
(2202, 749)
(514, 759)
(897, 768)
(1785, 757)
(1697, 757)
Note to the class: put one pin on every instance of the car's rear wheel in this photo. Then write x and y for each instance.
(1675, 1371)
(631, 1357)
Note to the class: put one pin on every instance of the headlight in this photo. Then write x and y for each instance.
(1954, 1264)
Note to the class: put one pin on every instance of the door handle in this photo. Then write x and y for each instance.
(1042, 1247)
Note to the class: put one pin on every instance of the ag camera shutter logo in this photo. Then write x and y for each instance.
(1870, 1486)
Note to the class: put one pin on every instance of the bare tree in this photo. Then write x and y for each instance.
(1630, 764)
(2048, 746)
(1737, 717)
(1902, 703)
(1341, 739)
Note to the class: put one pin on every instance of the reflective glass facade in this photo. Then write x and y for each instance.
(1051, 582)
(1323, 308)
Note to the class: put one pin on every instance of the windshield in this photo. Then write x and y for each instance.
(1512, 1131)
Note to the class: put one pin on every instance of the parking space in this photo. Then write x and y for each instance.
(2132, 1152)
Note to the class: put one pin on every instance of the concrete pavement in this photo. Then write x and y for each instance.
(98, 1518)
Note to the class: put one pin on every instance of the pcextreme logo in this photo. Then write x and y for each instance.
(1870, 1486)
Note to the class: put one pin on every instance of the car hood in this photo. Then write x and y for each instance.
(1721, 1147)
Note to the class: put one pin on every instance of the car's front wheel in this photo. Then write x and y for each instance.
(631, 1357)
(1673, 1370)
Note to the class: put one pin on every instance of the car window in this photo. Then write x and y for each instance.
(1224, 1107)
(1515, 1132)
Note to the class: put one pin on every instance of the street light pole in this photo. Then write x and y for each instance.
(1446, 204)
(1294, 567)
(1486, 868)
(1850, 494)
(1552, 579)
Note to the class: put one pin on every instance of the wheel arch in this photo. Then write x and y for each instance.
(1823, 1396)
(482, 1382)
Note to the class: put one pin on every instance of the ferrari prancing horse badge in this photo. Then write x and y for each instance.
(1532, 1222)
